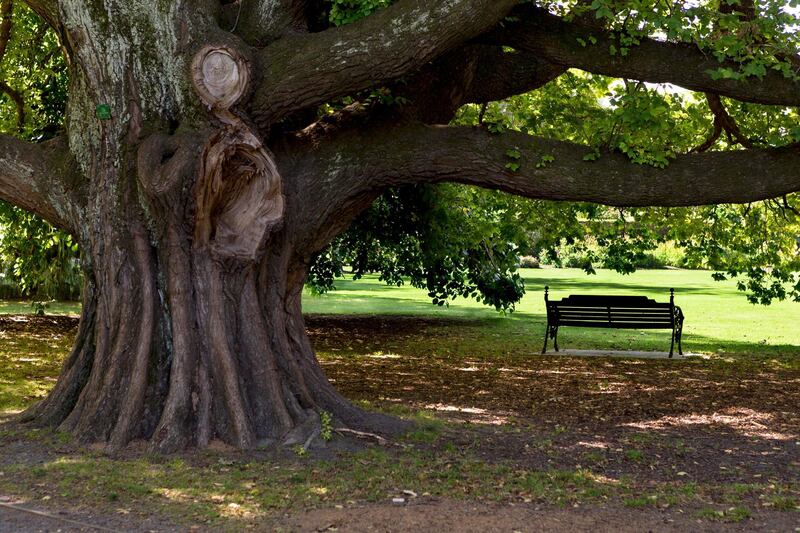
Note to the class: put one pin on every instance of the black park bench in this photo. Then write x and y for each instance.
(619, 312)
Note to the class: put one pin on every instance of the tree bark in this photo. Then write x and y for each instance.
(41, 179)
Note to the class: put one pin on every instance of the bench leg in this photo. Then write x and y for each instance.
(555, 337)
(680, 336)
(672, 342)
(546, 334)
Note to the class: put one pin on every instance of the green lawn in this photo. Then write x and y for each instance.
(718, 317)
(24, 307)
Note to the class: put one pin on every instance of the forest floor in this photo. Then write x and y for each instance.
(506, 440)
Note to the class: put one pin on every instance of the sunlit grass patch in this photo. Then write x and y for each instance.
(731, 514)
(29, 364)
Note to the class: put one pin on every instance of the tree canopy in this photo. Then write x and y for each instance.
(475, 249)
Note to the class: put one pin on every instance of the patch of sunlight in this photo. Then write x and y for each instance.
(595, 444)
(379, 355)
(320, 491)
(480, 416)
(175, 495)
(451, 408)
(69, 461)
(235, 510)
(741, 419)
(469, 369)
(599, 478)
(517, 370)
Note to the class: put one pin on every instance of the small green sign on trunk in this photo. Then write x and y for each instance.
(103, 112)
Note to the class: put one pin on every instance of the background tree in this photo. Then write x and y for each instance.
(40, 259)
(213, 151)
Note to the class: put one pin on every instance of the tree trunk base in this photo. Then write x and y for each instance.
(183, 360)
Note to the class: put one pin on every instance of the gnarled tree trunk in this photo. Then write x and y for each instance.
(192, 327)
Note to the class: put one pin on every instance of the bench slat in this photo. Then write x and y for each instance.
(598, 306)
(612, 312)
(609, 300)
(662, 319)
(617, 325)
(613, 321)
(597, 311)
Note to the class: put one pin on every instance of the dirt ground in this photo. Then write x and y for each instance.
(447, 515)
(649, 423)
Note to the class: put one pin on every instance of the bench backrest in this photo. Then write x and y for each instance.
(611, 311)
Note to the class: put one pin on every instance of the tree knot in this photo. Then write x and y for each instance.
(239, 196)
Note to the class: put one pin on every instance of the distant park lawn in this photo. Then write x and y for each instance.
(718, 317)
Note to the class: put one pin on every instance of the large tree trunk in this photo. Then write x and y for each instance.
(181, 346)
(194, 249)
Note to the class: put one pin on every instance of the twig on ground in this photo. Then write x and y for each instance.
(362, 434)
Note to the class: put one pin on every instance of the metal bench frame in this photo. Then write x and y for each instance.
(618, 312)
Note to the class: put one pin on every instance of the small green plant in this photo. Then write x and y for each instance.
(326, 420)
(515, 155)
(784, 503)
(638, 502)
(634, 455)
(733, 514)
(39, 307)
(299, 450)
(545, 160)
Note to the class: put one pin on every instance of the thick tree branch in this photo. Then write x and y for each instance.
(303, 71)
(47, 9)
(419, 154)
(472, 74)
(654, 61)
(260, 22)
(30, 178)
(6, 21)
(18, 101)
(723, 121)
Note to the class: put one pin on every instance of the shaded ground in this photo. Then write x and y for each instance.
(507, 440)
(714, 420)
